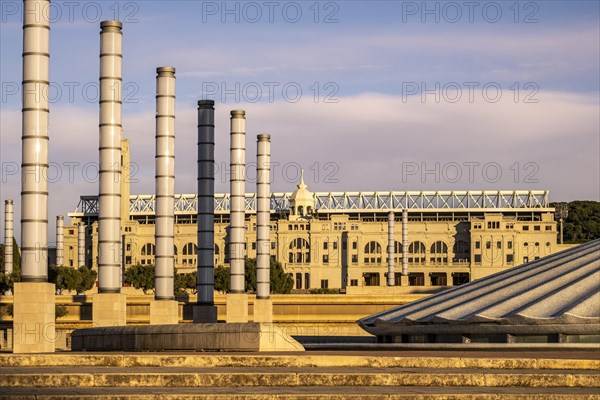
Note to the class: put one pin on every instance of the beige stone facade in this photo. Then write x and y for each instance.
(339, 248)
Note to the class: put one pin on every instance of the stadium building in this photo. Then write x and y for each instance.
(339, 240)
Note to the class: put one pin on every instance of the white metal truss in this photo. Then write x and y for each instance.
(356, 202)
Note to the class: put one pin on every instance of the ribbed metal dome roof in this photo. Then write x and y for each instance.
(559, 293)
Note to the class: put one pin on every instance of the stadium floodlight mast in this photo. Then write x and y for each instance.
(562, 212)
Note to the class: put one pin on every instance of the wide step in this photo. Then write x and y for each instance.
(316, 376)
(290, 377)
(302, 393)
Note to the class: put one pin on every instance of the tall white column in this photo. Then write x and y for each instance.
(81, 245)
(263, 216)
(405, 243)
(165, 183)
(391, 250)
(60, 240)
(8, 236)
(206, 202)
(237, 200)
(109, 214)
(34, 167)
(34, 292)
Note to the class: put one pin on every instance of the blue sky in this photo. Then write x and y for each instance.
(362, 122)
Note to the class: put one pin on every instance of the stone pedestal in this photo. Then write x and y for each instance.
(34, 317)
(237, 307)
(164, 312)
(204, 314)
(251, 337)
(109, 309)
(263, 310)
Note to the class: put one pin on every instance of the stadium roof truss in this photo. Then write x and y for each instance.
(355, 202)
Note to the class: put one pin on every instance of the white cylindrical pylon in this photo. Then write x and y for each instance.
(165, 184)
(60, 240)
(237, 201)
(263, 216)
(206, 202)
(404, 242)
(8, 236)
(34, 166)
(391, 250)
(81, 245)
(109, 214)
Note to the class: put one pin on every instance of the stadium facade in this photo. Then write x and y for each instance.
(339, 240)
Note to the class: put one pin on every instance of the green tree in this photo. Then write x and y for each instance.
(7, 280)
(179, 283)
(191, 282)
(87, 281)
(222, 279)
(141, 277)
(6, 283)
(64, 278)
(281, 282)
(71, 279)
(16, 260)
(583, 221)
(185, 283)
(250, 275)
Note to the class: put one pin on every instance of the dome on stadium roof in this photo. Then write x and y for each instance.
(302, 202)
(556, 297)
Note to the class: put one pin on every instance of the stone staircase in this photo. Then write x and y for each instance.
(312, 375)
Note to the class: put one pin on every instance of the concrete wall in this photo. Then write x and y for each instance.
(304, 315)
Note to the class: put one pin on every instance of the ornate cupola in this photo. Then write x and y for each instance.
(302, 202)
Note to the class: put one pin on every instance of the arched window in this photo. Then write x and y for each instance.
(189, 254)
(372, 253)
(147, 254)
(148, 249)
(299, 251)
(217, 252)
(300, 210)
(439, 253)
(189, 249)
(416, 251)
(175, 250)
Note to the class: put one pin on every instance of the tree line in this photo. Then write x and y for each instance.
(82, 279)
(142, 277)
(582, 223)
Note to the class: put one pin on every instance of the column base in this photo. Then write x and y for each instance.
(164, 312)
(34, 317)
(204, 314)
(237, 307)
(109, 309)
(263, 310)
